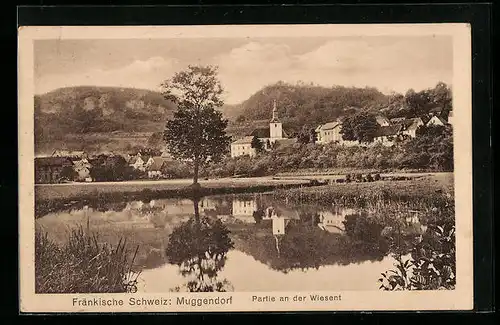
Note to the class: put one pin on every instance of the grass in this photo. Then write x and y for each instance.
(347, 170)
(82, 265)
(427, 190)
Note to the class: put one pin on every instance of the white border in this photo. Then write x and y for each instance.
(459, 299)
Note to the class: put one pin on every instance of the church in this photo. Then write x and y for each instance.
(267, 136)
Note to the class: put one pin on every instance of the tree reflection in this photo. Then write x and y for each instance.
(199, 247)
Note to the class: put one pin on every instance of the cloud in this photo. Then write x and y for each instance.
(387, 63)
(392, 65)
(147, 74)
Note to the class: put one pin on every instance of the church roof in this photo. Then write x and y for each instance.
(261, 133)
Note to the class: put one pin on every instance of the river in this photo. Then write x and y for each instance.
(246, 242)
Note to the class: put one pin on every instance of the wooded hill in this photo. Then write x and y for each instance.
(84, 112)
(310, 105)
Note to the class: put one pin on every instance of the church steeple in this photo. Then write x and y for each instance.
(275, 127)
(275, 112)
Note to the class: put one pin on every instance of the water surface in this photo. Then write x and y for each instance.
(274, 246)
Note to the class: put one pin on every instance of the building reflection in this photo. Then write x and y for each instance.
(333, 220)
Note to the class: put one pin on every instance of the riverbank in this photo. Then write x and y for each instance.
(49, 198)
(171, 186)
(429, 188)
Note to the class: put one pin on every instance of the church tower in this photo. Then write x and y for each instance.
(275, 126)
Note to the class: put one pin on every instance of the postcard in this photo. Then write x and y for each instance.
(245, 168)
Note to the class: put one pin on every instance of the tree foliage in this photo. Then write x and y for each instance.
(361, 127)
(257, 144)
(197, 130)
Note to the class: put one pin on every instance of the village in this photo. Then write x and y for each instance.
(389, 131)
(66, 165)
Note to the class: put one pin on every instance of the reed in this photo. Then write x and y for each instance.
(83, 265)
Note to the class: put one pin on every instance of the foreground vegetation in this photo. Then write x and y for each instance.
(82, 265)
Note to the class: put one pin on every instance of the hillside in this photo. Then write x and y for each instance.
(308, 104)
(112, 118)
(102, 118)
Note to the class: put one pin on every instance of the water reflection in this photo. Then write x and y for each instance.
(203, 241)
(199, 247)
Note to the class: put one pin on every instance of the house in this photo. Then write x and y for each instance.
(50, 169)
(69, 154)
(387, 134)
(242, 147)
(268, 136)
(155, 166)
(411, 125)
(436, 120)
(82, 168)
(139, 162)
(329, 132)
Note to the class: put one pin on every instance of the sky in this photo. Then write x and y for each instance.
(389, 63)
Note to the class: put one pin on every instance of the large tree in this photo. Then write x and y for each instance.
(196, 132)
(360, 127)
(257, 144)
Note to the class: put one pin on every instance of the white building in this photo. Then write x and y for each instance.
(411, 125)
(242, 147)
(329, 132)
(244, 209)
(267, 136)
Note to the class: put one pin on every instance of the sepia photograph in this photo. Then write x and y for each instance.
(245, 162)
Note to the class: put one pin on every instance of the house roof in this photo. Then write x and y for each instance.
(397, 119)
(381, 119)
(439, 118)
(245, 140)
(157, 163)
(67, 153)
(52, 161)
(388, 130)
(329, 125)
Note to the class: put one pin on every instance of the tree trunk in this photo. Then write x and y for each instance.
(196, 211)
(196, 171)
